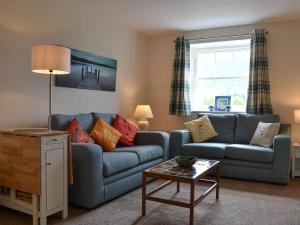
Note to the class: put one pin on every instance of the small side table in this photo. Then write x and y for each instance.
(296, 160)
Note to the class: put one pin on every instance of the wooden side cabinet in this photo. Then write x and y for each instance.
(33, 172)
(296, 160)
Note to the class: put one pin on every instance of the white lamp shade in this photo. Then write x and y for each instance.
(143, 111)
(297, 116)
(50, 58)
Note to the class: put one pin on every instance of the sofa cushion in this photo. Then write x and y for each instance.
(62, 121)
(249, 153)
(144, 153)
(105, 135)
(115, 162)
(247, 124)
(107, 117)
(224, 125)
(264, 134)
(127, 130)
(77, 133)
(201, 129)
(204, 150)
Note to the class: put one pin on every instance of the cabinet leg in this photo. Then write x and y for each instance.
(65, 213)
(43, 221)
(35, 210)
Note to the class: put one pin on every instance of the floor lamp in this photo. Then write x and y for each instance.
(50, 60)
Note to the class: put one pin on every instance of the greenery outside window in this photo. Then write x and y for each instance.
(219, 68)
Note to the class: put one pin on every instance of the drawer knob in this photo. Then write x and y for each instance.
(54, 139)
(48, 164)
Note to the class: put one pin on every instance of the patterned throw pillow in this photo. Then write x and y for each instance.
(127, 130)
(264, 134)
(105, 135)
(77, 133)
(201, 129)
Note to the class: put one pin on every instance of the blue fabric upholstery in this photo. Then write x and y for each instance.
(108, 117)
(249, 153)
(177, 139)
(88, 188)
(236, 162)
(136, 169)
(62, 121)
(224, 125)
(247, 124)
(115, 162)
(204, 150)
(241, 159)
(144, 153)
(154, 138)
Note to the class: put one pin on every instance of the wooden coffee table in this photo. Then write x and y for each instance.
(170, 171)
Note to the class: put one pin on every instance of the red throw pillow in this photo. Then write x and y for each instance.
(127, 130)
(77, 133)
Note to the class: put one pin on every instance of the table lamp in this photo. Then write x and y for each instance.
(143, 112)
(50, 60)
(297, 115)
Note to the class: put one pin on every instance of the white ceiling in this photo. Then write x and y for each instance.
(154, 17)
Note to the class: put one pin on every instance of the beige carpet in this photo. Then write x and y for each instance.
(241, 203)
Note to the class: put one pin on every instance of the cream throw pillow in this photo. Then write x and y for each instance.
(264, 134)
(201, 129)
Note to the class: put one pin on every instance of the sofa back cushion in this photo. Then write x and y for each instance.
(247, 124)
(62, 121)
(107, 117)
(224, 125)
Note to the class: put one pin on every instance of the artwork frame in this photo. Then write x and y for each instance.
(221, 102)
(90, 71)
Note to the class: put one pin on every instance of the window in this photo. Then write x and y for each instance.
(220, 68)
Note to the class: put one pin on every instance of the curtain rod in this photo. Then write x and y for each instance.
(217, 37)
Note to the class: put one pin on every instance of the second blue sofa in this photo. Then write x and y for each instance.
(232, 147)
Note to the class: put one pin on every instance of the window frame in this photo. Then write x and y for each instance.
(193, 76)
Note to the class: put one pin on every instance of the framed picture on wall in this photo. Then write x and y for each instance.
(89, 71)
(221, 102)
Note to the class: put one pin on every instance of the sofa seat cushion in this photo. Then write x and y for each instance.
(144, 153)
(115, 162)
(249, 153)
(204, 150)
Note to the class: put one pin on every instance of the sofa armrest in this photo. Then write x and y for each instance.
(177, 139)
(154, 138)
(282, 152)
(88, 188)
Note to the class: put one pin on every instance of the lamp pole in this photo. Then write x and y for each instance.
(50, 99)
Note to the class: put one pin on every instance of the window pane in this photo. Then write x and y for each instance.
(220, 69)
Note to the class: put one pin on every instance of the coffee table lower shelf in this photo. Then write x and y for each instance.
(193, 202)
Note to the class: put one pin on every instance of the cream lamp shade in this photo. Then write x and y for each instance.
(46, 59)
(143, 112)
(297, 115)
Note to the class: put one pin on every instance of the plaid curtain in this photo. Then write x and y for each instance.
(180, 86)
(259, 100)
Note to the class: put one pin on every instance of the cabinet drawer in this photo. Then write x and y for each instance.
(50, 147)
(54, 139)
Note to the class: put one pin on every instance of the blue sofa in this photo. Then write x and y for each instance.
(100, 176)
(231, 147)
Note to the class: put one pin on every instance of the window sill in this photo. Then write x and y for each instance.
(218, 112)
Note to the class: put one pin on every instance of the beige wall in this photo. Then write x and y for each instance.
(24, 95)
(284, 68)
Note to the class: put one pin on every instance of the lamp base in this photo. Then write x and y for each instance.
(143, 124)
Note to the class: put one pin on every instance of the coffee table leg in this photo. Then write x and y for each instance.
(192, 199)
(178, 186)
(218, 181)
(144, 196)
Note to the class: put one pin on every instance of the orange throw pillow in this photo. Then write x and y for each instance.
(105, 135)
